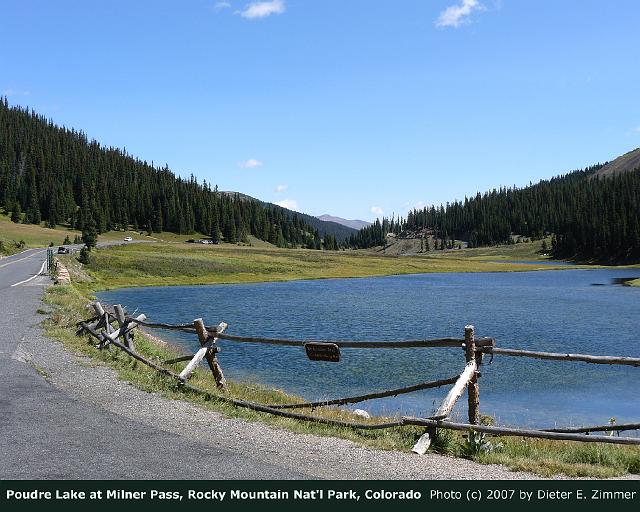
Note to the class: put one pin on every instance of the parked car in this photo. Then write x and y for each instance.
(63, 250)
(128, 239)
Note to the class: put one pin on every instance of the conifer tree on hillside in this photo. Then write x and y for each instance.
(592, 218)
(57, 175)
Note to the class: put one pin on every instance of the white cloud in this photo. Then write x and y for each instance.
(252, 163)
(222, 5)
(637, 129)
(376, 210)
(257, 10)
(281, 188)
(289, 204)
(457, 15)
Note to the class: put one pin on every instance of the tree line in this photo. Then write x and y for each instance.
(590, 217)
(54, 175)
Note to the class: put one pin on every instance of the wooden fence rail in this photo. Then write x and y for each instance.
(585, 358)
(101, 328)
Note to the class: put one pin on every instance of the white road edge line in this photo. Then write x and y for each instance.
(32, 277)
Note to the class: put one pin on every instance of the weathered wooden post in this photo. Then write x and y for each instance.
(210, 354)
(473, 390)
(120, 317)
(103, 321)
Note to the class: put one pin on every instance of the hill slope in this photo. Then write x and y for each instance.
(56, 175)
(626, 163)
(594, 220)
(324, 226)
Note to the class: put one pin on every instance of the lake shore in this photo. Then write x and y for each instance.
(171, 264)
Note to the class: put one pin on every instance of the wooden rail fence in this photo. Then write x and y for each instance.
(110, 326)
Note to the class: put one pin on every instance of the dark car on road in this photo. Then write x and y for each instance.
(63, 250)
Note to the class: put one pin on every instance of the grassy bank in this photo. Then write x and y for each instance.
(12, 233)
(68, 305)
(174, 264)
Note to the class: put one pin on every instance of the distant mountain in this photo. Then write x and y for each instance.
(626, 163)
(340, 231)
(324, 226)
(353, 224)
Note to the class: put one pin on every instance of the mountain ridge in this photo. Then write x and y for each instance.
(350, 223)
(325, 227)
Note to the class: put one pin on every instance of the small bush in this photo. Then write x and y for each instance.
(477, 443)
(85, 256)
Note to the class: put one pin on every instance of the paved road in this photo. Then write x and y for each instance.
(47, 434)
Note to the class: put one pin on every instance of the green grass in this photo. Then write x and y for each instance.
(175, 264)
(573, 459)
(40, 236)
(32, 235)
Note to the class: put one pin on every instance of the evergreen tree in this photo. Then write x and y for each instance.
(89, 233)
(16, 214)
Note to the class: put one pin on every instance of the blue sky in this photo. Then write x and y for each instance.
(348, 107)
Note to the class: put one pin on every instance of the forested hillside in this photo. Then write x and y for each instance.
(596, 219)
(57, 175)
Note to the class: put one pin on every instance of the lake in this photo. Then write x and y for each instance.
(554, 311)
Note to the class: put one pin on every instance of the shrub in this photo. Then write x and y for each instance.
(85, 255)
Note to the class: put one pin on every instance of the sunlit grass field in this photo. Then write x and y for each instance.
(173, 264)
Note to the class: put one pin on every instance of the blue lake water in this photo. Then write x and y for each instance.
(559, 311)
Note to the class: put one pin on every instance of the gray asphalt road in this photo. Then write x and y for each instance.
(47, 434)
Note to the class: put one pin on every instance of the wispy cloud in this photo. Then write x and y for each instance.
(258, 10)
(289, 204)
(376, 210)
(252, 163)
(637, 129)
(222, 5)
(281, 188)
(457, 15)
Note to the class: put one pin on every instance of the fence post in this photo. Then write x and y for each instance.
(120, 317)
(210, 356)
(474, 392)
